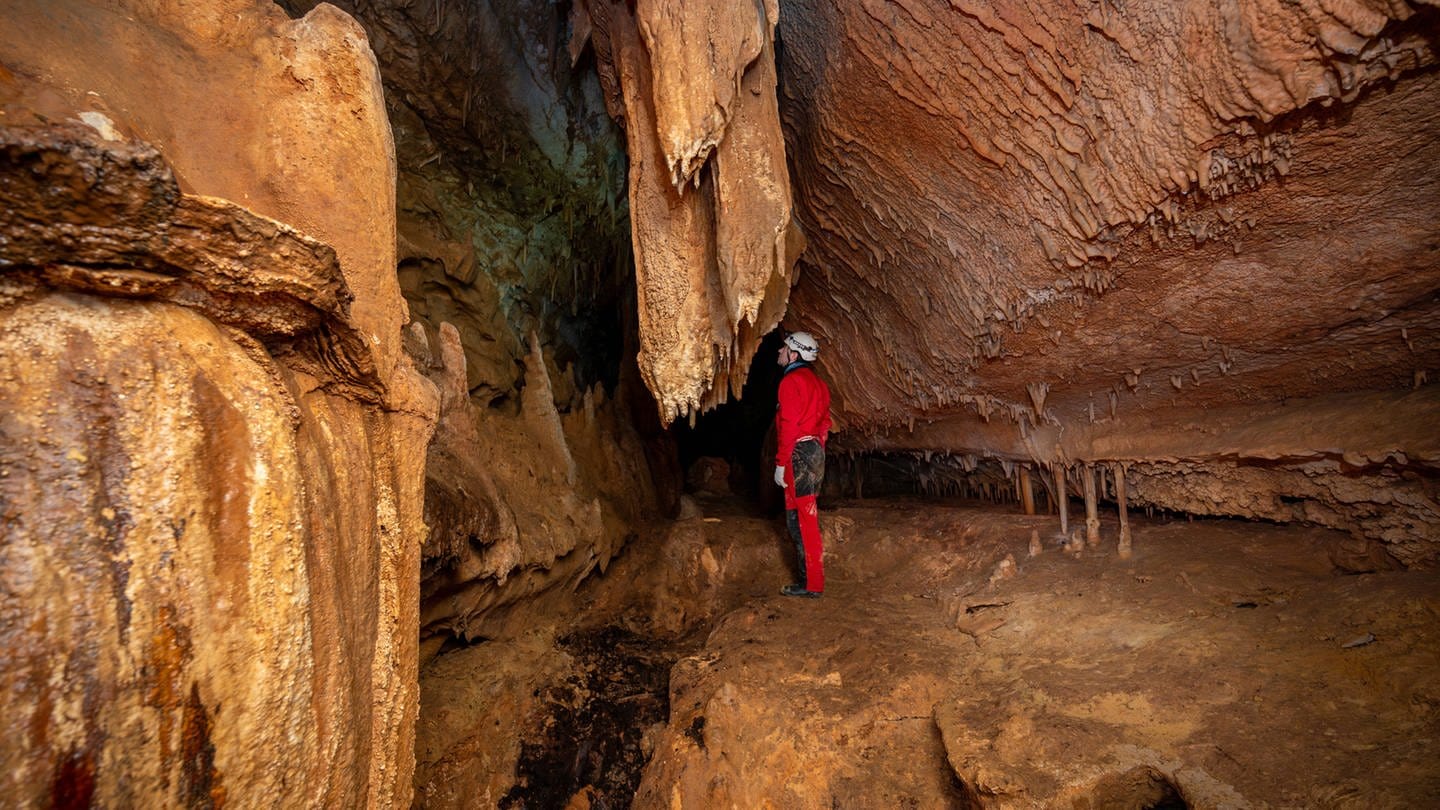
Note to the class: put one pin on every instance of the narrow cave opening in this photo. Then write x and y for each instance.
(737, 433)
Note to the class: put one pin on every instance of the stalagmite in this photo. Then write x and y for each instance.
(1027, 495)
(1092, 512)
(1062, 499)
(1035, 547)
(1118, 471)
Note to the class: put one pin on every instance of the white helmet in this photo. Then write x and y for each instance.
(804, 345)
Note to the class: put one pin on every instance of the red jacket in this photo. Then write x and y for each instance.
(803, 410)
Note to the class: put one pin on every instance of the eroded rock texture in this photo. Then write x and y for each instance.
(714, 240)
(1033, 225)
(514, 260)
(521, 504)
(212, 454)
(1127, 193)
(512, 214)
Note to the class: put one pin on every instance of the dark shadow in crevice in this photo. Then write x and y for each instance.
(591, 739)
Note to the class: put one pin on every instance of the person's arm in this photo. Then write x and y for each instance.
(787, 429)
(825, 417)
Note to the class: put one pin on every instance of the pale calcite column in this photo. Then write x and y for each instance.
(715, 243)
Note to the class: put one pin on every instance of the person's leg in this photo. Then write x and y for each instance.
(808, 465)
(792, 524)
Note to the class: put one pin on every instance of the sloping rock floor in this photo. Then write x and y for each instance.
(1225, 664)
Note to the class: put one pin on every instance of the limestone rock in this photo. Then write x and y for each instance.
(714, 241)
(213, 446)
(1000, 198)
(520, 506)
(708, 474)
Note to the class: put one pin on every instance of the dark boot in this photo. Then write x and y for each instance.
(799, 590)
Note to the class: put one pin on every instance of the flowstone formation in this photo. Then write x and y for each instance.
(1039, 233)
(521, 505)
(213, 446)
(714, 239)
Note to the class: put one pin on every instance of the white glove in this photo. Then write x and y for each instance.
(779, 476)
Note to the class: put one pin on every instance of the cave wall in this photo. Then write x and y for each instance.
(514, 259)
(521, 506)
(213, 443)
(1098, 233)
(512, 213)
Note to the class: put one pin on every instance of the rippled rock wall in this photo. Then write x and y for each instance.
(1038, 234)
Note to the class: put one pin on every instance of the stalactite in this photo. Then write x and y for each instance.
(1092, 513)
(1118, 472)
(1061, 498)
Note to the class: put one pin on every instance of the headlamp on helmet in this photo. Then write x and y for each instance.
(803, 344)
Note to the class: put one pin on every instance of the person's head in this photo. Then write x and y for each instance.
(798, 346)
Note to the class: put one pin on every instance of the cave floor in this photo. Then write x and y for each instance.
(1225, 664)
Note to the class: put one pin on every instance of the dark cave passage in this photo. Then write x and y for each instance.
(739, 432)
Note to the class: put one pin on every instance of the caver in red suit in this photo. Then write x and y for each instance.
(802, 418)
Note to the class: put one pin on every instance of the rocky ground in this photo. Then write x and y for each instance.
(1225, 664)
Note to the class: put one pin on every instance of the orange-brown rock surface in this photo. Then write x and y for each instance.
(513, 258)
(710, 211)
(1189, 248)
(213, 448)
(948, 666)
(520, 504)
(1184, 207)
(1146, 233)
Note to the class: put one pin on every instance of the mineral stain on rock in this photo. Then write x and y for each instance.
(225, 443)
(200, 784)
(74, 784)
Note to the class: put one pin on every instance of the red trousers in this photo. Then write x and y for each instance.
(802, 481)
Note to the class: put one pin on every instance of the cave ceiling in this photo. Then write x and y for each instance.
(1040, 214)
(1019, 217)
